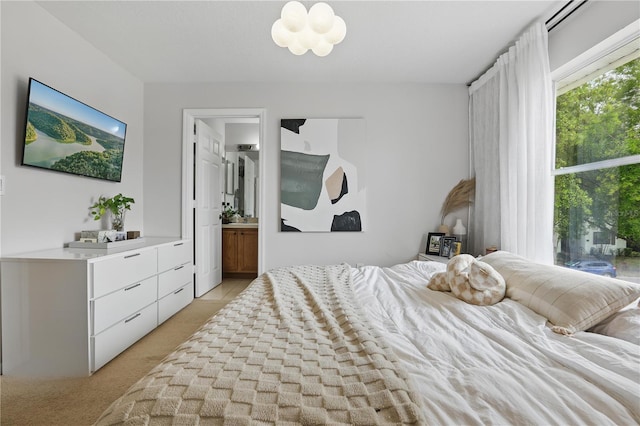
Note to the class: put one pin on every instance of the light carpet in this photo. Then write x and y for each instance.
(80, 401)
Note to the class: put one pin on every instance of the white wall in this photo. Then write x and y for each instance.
(44, 209)
(417, 150)
(588, 26)
(417, 134)
(242, 133)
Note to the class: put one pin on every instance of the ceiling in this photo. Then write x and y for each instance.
(230, 41)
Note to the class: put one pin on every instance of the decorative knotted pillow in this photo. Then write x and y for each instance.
(470, 280)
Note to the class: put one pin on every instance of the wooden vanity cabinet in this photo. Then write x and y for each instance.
(248, 250)
(240, 252)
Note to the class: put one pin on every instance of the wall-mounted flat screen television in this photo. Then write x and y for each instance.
(66, 135)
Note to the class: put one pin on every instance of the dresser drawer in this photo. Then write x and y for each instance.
(116, 339)
(174, 254)
(117, 272)
(172, 303)
(120, 304)
(173, 279)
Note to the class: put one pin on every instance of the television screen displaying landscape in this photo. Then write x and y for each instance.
(66, 135)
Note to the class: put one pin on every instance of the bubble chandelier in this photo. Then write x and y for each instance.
(299, 31)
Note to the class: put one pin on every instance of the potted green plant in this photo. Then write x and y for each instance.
(229, 214)
(116, 205)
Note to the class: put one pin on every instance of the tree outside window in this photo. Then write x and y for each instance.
(597, 182)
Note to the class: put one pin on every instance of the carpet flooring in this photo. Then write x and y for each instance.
(81, 400)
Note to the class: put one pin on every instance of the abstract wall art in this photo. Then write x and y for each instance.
(322, 175)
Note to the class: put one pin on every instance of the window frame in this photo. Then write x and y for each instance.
(608, 54)
(620, 48)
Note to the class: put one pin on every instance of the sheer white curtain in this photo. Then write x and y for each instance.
(511, 114)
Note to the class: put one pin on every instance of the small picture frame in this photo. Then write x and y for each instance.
(457, 249)
(433, 243)
(447, 246)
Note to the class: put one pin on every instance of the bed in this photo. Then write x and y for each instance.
(371, 345)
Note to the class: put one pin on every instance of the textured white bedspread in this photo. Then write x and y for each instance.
(497, 364)
(294, 348)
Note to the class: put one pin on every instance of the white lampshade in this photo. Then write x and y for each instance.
(337, 33)
(294, 16)
(280, 34)
(296, 48)
(300, 31)
(322, 48)
(321, 18)
(308, 38)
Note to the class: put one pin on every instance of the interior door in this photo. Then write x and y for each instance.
(207, 221)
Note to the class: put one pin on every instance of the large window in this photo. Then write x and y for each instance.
(597, 167)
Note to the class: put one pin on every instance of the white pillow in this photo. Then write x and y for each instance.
(571, 300)
(623, 325)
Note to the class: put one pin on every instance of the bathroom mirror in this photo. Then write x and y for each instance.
(241, 166)
(229, 177)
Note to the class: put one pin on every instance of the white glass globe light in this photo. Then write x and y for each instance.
(322, 48)
(308, 38)
(321, 18)
(296, 48)
(294, 16)
(319, 30)
(280, 34)
(337, 33)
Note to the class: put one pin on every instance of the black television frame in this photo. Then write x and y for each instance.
(54, 125)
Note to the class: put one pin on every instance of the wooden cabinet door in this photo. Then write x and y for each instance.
(229, 250)
(248, 250)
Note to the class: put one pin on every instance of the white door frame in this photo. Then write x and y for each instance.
(188, 119)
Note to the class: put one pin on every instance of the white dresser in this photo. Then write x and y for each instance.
(67, 312)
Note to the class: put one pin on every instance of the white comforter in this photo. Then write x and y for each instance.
(497, 364)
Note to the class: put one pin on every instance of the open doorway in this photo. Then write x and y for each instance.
(206, 187)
